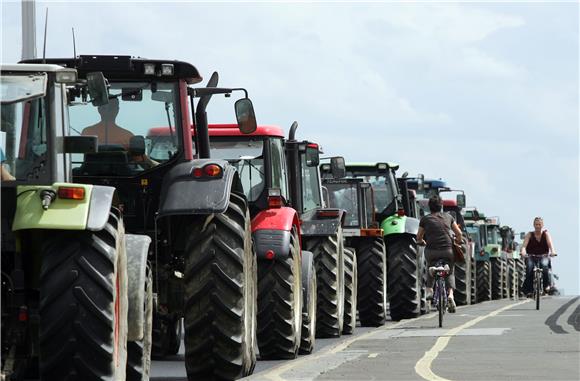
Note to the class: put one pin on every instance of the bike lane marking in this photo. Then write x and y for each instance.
(423, 366)
(275, 374)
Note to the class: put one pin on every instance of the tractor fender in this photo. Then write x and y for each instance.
(137, 249)
(182, 194)
(99, 207)
(315, 225)
(90, 213)
(271, 230)
(400, 225)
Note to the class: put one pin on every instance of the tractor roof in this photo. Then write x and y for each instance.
(224, 130)
(449, 203)
(371, 166)
(233, 130)
(125, 67)
(49, 68)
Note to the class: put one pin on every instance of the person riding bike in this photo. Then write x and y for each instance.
(536, 244)
(433, 231)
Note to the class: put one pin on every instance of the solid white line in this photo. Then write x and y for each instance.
(423, 366)
(373, 355)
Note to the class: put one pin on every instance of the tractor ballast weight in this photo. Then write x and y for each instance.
(193, 208)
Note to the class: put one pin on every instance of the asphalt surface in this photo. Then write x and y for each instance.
(499, 340)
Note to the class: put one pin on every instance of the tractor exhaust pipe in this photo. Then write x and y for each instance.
(292, 134)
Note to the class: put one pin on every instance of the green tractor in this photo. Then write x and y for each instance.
(362, 232)
(515, 263)
(405, 260)
(72, 280)
(493, 248)
(481, 265)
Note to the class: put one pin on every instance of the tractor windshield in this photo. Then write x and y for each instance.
(344, 196)
(247, 156)
(23, 136)
(493, 234)
(383, 189)
(311, 196)
(473, 232)
(137, 130)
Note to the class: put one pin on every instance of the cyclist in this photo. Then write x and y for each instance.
(537, 243)
(434, 232)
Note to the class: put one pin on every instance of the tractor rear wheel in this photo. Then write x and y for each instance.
(328, 254)
(350, 290)
(372, 283)
(497, 269)
(402, 277)
(521, 269)
(280, 304)
(483, 281)
(139, 352)
(473, 281)
(83, 304)
(425, 307)
(308, 336)
(220, 295)
(462, 288)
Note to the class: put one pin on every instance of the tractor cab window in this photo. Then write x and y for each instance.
(137, 130)
(278, 165)
(247, 157)
(344, 196)
(23, 136)
(492, 235)
(473, 232)
(383, 191)
(311, 197)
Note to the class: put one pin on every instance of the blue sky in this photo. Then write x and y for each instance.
(484, 95)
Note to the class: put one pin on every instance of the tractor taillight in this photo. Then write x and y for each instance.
(23, 314)
(212, 170)
(275, 199)
(197, 172)
(400, 212)
(71, 193)
(328, 213)
(270, 254)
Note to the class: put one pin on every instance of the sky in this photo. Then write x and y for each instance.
(482, 94)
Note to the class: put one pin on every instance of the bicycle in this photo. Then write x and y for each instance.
(440, 271)
(538, 278)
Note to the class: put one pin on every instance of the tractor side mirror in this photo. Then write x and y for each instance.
(245, 116)
(79, 144)
(420, 182)
(97, 87)
(337, 167)
(461, 200)
(312, 155)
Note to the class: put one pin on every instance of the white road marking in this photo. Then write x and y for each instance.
(423, 366)
(373, 355)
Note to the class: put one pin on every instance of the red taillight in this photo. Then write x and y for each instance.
(197, 172)
(270, 254)
(371, 232)
(400, 212)
(328, 213)
(212, 170)
(275, 201)
(71, 193)
(23, 314)
(312, 145)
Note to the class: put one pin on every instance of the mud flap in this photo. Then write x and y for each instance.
(137, 248)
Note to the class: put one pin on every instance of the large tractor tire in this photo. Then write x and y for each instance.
(328, 254)
(350, 290)
(473, 266)
(220, 295)
(83, 304)
(483, 281)
(506, 278)
(402, 277)
(139, 352)
(372, 282)
(425, 307)
(521, 269)
(497, 270)
(308, 337)
(462, 288)
(280, 304)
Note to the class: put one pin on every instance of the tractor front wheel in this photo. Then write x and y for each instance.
(402, 277)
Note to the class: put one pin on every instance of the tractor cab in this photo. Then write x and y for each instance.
(426, 188)
(260, 161)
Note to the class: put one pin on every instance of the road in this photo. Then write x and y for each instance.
(499, 340)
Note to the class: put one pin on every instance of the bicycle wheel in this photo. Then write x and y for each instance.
(538, 288)
(440, 301)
